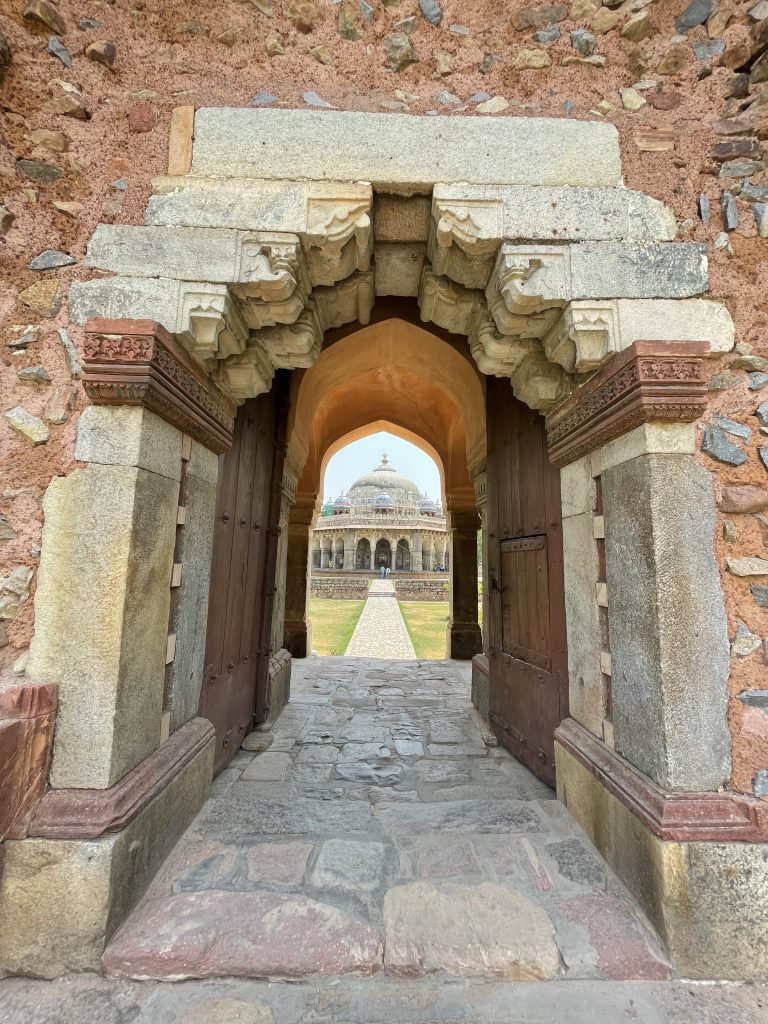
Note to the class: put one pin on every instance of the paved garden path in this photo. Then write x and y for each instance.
(380, 631)
(384, 833)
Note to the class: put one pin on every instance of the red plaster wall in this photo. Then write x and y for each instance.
(163, 62)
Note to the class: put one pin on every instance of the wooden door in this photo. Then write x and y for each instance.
(243, 570)
(527, 636)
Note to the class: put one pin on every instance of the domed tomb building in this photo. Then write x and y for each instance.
(384, 519)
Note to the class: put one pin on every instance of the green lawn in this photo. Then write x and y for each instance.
(333, 623)
(426, 622)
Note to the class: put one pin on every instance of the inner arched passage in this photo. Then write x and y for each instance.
(419, 383)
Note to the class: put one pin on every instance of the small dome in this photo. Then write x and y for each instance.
(428, 507)
(383, 501)
(342, 503)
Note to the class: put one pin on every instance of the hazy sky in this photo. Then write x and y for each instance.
(364, 455)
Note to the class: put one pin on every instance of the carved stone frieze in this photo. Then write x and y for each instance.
(650, 380)
(585, 337)
(539, 383)
(268, 267)
(496, 354)
(348, 301)
(137, 362)
(447, 304)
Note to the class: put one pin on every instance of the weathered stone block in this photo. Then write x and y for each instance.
(577, 487)
(124, 435)
(648, 439)
(706, 899)
(61, 900)
(27, 716)
(669, 642)
(586, 689)
(101, 617)
(676, 320)
(465, 930)
(402, 151)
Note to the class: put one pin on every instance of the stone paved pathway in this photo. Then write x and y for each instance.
(383, 834)
(380, 631)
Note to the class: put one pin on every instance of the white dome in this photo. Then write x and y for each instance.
(384, 480)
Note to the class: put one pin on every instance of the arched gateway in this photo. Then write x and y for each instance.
(490, 287)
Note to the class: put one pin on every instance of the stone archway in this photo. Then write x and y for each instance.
(517, 235)
(363, 554)
(382, 554)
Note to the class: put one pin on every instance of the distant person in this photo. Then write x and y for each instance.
(382, 572)
(388, 572)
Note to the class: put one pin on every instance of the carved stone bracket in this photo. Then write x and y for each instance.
(496, 354)
(528, 282)
(650, 380)
(338, 239)
(209, 322)
(585, 337)
(464, 237)
(246, 375)
(92, 813)
(348, 301)
(539, 383)
(268, 267)
(137, 362)
(679, 817)
(446, 303)
(290, 346)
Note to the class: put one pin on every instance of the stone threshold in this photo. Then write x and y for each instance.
(680, 817)
(93, 813)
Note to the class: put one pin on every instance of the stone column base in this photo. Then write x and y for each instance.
(297, 638)
(465, 640)
(64, 893)
(481, 686)
(705, 894)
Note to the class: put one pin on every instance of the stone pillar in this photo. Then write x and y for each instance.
(416, 553)
(669, 639)
(103, 593)
(349, 551)
(464, 638)
(297, 638)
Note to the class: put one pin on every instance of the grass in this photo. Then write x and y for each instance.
(426, 622)
(333, 623)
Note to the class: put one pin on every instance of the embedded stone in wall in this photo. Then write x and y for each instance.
(398, 267)
(403, 151)
(27, 717)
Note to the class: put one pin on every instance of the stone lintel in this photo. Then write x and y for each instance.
(403, 153)
(93, 813)
(137, 362)
(651, 380)
(683, 817)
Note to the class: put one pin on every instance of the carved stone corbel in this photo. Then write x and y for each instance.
(495, 354)
(539, 383)
(267, 266)
(447, 304)
(464, 237)
(210, 324)
(527, 282)
(246, 375)
(338, 238)
(290, 346)
(585, 337)
(350, 300)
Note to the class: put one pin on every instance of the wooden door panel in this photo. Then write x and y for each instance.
(240, 598)
(528, 658)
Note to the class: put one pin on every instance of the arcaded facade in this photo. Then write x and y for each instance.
(383, 520)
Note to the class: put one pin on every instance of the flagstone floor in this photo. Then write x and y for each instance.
(384, 833)
(381, 631)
